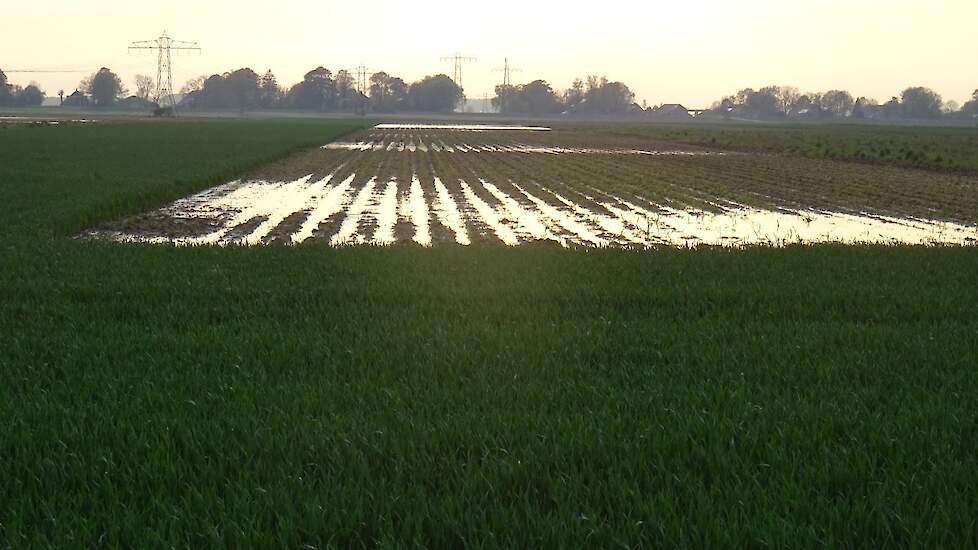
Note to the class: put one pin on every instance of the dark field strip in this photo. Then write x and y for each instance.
(950, 149)
(762, 180)
(466, 397)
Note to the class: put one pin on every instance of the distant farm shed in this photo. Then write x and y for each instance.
(135, 103)
(805, 109)
(77, 99)
(670, 111)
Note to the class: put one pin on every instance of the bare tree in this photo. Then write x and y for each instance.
(345, 83)
(85, 86)
(787, 97)
(838, 102)
(144, 86)
(575, 94)
(194, 85)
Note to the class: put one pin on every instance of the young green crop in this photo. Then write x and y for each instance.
(928, 147)
(449, 397)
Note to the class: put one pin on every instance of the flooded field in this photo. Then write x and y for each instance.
(432, 184)
(462, 127)
(38, 121)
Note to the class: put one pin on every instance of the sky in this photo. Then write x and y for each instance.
(691, 52)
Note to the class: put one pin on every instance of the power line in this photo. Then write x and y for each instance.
(459, 60)
(164, 45)
(507, 71)
(39, 71)
(362, 77)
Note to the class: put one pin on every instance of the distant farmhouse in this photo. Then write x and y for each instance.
(670, 111)
(805, 109)
(77, 99)
(136, 103)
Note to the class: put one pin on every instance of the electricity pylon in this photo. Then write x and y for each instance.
(362, 76)
(164, 66)
(507, 71)
(458, 59)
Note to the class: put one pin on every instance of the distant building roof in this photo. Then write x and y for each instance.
(670, 110)
(76, 99)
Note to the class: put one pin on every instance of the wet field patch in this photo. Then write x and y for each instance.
(492, 184)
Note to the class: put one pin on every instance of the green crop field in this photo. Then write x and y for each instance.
(483, 396)
(929, 147)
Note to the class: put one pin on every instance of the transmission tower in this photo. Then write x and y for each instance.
(507, 71)
(458, 59)
(362, 76)
(164, 45)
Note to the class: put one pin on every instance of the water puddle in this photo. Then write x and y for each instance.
(462, 127)
(488, 215)
(582, 233)
(612, 226)
(43, 121)
(260, 199)
(348, 230)
(783, 227)
(334, 201)
(420, 216)
(286, 207)
(387, 215)
(384, 213)
(528, 223)
(449, 215)
(411, 147)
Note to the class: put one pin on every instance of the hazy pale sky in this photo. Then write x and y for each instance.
(691, 51)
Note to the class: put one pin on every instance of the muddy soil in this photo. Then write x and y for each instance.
(565, 187)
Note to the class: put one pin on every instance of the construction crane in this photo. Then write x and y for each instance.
(164, 45)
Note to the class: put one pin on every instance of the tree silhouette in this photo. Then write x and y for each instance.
(104, 86)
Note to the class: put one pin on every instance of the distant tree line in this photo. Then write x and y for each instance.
(971, 107)
(12, 95)
(322, 91)
(596, 96)
(780, 102)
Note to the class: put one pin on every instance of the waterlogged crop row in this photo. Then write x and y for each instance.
(391, 188)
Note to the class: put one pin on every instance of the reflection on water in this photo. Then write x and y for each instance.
(745, 226)
(255, 212)
(462, 127)
(448, 213)
(41, 121)
(400, 146)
